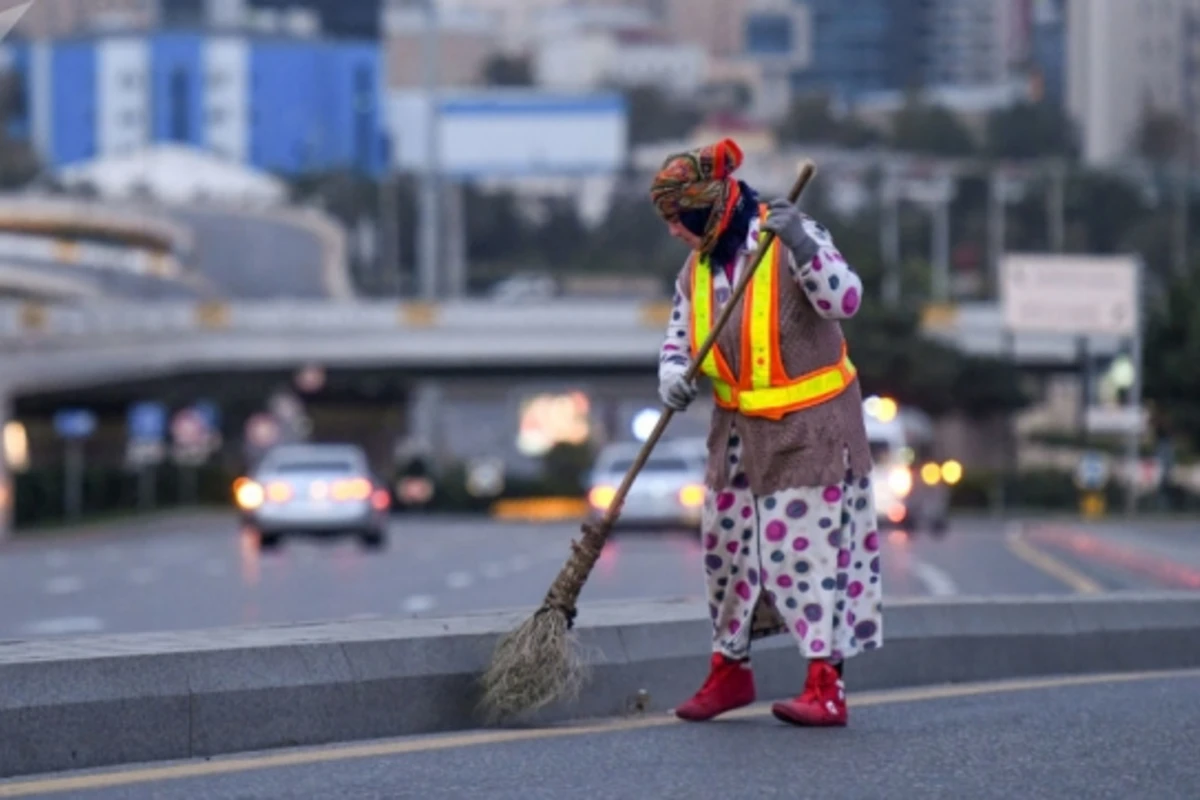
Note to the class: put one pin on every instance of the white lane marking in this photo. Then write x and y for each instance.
(142, 576)
(60, 625)
(492, 571)
(459, 580)
(418, 603)
(64, 584)
(936, 580)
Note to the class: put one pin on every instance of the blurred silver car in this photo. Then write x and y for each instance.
(667, 492)
(314, 490)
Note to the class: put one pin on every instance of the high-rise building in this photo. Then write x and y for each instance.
(861, 46)
(1123, 58)
(288, 105)
(49, 19)
(353, 19)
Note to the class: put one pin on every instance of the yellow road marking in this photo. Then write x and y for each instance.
(1051, 566)
(226, 766)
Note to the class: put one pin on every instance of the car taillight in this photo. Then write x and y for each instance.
(351, 489)
(380, 500)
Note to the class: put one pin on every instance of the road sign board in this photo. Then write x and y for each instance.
(189, 427)
(147, 422)
(1069, 294)
(74, 423)
(1092, 472)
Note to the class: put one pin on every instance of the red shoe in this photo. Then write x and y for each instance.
(730, 685)
(823, 702)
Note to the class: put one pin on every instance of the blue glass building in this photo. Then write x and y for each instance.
(861, 46)
(287, 105)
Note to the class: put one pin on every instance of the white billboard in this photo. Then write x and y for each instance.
(511, 133)
(1076, 295)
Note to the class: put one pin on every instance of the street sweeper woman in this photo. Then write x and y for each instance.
(789, 526)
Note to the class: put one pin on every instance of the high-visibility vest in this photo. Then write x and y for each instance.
(764, 389)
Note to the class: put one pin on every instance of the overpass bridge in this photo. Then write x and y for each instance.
(49, 347)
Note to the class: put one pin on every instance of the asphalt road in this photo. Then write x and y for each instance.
(201, 571)
(1094, 738)
(252, 258)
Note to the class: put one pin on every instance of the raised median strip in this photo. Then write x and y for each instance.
(98, 701)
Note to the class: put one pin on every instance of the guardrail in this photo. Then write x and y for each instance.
(30, 322)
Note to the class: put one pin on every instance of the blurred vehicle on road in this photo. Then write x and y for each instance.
(912, 489)
(323, 490)
(668, 492)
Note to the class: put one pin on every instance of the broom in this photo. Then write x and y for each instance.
(539, 662)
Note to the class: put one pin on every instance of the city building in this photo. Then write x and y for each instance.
(975, 42)
(466, 40)
(286, 105)
(1122, 59)
(629, 58)
(1048, 49)
(860, 46)
(777, 36)
(349, 19)
(48, 19)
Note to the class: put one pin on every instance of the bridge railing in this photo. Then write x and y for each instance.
(31, 323)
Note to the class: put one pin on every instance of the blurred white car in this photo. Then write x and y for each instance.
(667, 492)
(911, 489)
(314, 490)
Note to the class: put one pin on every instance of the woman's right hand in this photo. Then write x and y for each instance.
(676, 392)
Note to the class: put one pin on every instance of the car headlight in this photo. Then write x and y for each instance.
(899, 480)
(248, 494)
(931, 474)
(952, 472)
(601, 496)
(691, 495)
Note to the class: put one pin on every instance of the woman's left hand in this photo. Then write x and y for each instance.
(786, 221)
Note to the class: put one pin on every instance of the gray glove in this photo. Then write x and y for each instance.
(676, 392)
(788, 224)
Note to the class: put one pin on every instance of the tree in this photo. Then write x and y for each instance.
(810, 118)
(502, 70)
(1163, 137)
(919, 127)
(1172, 351)
(894, 358)
(655, 117)
(1030, 130)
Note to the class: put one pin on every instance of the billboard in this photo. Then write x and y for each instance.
(500, 133)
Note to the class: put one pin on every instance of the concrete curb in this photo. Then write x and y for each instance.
(98, 701)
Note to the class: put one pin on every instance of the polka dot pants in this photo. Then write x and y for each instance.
(814, 549)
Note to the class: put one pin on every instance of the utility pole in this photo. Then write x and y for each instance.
(996, 234)
(1179, 238)
(1056, 206)
(890, 238)
(429, 244)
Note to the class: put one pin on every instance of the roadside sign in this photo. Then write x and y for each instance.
(1092, 472)
(1075, 295)
(74, 423)
(188, 428)
(147, 422)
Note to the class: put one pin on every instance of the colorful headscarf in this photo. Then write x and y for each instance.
(700, 179)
